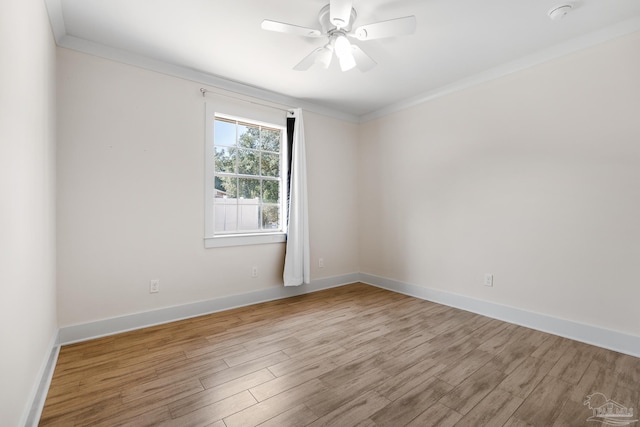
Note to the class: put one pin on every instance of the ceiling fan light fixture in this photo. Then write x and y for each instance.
(324, 56)
(347, 62)
(344, 52)
(342, 46)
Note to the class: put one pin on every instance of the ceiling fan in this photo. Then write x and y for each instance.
(336, 20)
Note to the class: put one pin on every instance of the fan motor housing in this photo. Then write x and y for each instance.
(327, 26)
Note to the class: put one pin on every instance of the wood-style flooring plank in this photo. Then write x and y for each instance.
(353, 412)
(545, 403)
(299, 415)
(222, 376)
(573, 364)
(285, 382)
(437, 415)
(338, 395)
(413, 403)
(494, 410)
(209, 396)
(524, 378)
(473, 389)
(312, 356)
(214, 412)
(147, 417)
(408, 379)
(459, 369)
(270, 408)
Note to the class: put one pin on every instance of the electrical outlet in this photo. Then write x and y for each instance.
(321, 262)
(154, 286)
(488, 279)
(254, 271)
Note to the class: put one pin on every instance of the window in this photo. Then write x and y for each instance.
(245, 169)
(248, 181)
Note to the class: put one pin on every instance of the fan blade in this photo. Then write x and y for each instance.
(308, 60)
(340, 12)
(363, 61)
(390, 28)
(281, 27)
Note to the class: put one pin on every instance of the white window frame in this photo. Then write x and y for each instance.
(211, 239)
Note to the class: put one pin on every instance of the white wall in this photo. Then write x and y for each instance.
(332, 175)
(131, 196)
(27, 197)
(534, 177)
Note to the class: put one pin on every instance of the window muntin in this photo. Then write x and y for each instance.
(248, 164)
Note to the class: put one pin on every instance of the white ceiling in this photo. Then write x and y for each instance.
(457, 43)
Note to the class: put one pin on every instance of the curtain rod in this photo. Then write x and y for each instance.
(287, 110)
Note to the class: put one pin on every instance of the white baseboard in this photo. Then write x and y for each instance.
(612, 340)
(41, 387)
(101, 328)
(589, 334)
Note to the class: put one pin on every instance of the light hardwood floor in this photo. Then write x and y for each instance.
(353, 355)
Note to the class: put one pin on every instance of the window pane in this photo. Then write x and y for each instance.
(271, 191)
(270, 139)
(226, 187)
(248, 136)
(225, 159)
(270, 164)
(224, 133)
(249, 188)
(226, 215)
(248, 162)
(271, 217)
(249, 214)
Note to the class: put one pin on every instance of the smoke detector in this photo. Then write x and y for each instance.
(559, 12)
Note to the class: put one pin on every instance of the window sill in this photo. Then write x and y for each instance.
(244, 239)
